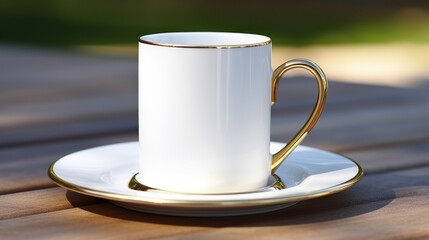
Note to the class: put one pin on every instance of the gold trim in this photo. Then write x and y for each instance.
(196, 204)
(269, 41)
(278, 184)
(322, 83)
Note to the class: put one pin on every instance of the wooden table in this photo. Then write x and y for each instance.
(54, 103)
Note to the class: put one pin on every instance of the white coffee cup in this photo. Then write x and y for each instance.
(205, 108)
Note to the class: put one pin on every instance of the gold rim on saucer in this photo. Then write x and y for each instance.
(180, 203)
(116, 189)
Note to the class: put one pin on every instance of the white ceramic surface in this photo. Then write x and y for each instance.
(106, 171)
(212, 104)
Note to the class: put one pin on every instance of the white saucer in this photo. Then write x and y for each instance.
(106, 171)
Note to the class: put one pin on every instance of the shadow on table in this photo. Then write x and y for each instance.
(374, 192)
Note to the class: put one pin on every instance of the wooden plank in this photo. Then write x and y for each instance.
(41, 201)
(94, 221)
(56, 111)
(385, 219)
(356, 115)
(49, 69)
(358, 128)
(30, 153)
(300, 92)
(69, 129)
(360, 207)
(25, 168)
(62, 87)
(392, 157)
(83, 86)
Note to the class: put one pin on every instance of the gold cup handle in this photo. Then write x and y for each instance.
(322, 83)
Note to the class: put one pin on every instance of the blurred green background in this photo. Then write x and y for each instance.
(71, 23)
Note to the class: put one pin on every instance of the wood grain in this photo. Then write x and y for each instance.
(40, 201)
(361, 206)
(64, 102)
(56, 111)
(389, 185)
(25, 168)
(392, 157)
(94, 221)
(386, 219)
(358, 128)
(72, 128)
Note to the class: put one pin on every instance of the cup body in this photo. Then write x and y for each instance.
(204, 112)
